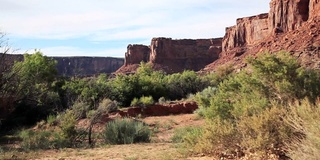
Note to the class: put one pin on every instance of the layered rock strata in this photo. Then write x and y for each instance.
(172, 55)
(291, 25)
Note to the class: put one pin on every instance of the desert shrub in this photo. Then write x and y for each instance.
(162, 100)
(51, 120)
(46, 139)
(143, 101)
(203, 99)
(248, 110)
(126, 131)
(219, 75)
(304, 118)
(107, 105)
(35, 140)
(80, 109)
(187, 135)
(68, 126)
(267, 130)
(270, 79)
(218, 136)
(135, 102)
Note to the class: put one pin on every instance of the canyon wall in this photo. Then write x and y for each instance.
(247, 31)
(184, 54)
(291, 25)
(78, 66)
(314, 9)
(87, 66)
(172, 55)
(284, 16)
(288, 14)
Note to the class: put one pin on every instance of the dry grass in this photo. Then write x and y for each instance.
(160, 149)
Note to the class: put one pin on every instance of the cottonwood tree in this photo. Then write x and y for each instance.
(35, 76)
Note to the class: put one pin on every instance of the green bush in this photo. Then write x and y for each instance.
(267, 130)
(187, 135)
(126, 131)
(51, 120)
(304, 118)
(35, 140)
(143, 101)
(135, 102)
(248, 110)
(80, 109)
(68, 126)
(203, 99)
(47, 139)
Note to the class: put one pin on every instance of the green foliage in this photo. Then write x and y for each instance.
(162, 100)
(36, 69)
(135, 102)
(35, 74)
(145, 82)
(271, 78)
(51, 120)
(87, 90)
(266, 130)
(220, 74)
(126, 131)
(80, 109)
(143, 101)
(47, 139)
(181, 84)
(304, 118)
(248, 109)
(203, 99)
(187, 135)
(35, 140)
(68, 126)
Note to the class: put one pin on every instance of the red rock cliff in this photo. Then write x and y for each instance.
(136, 54)
(248, 31)
(293, 26)
(288, 14)
(173, 55)
(314, 9)
(184, 54)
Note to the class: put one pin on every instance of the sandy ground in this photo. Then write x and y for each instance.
(160, 147)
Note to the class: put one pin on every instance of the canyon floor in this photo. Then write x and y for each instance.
(160, 148)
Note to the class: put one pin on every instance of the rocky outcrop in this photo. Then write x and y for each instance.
(288, 14)
(314, 9)
(172, 55)
(184, 54)
(293, 26)
(78, 66)
(136, 54)
(248, 31)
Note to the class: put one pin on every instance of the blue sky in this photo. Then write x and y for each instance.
(104, 28)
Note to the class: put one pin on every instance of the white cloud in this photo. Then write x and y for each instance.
(65, 19)
(102, 20)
